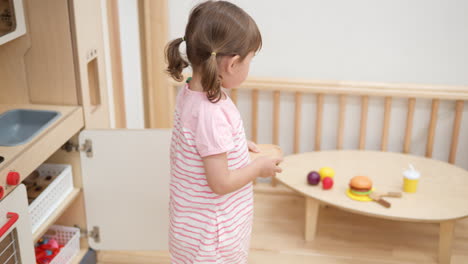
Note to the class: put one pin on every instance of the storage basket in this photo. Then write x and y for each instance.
(67, 236)
(48, 201)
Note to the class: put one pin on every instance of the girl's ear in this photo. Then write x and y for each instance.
(232, 63)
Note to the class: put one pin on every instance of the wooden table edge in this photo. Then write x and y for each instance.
(412, 220)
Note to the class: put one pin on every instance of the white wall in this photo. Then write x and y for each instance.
(415, 41)
(422, 41)
(131, 63)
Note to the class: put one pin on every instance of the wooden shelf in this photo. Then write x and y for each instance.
(56, 214)
(134, 257)
(77, 259)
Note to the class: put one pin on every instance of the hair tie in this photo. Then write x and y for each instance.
(183, 38)
(213, 53)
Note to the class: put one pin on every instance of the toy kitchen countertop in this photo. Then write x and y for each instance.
(24, 158)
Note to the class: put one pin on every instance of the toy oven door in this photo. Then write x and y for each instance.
(16, 245)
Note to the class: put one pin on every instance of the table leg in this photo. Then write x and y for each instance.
(445, 241)
(312, 212)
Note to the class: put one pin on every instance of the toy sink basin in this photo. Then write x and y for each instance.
(19, 126)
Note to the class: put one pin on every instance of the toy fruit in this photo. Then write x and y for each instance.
(326, 172)
(313, 178)
(327, 183)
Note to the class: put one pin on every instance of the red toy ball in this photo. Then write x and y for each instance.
(327, 183)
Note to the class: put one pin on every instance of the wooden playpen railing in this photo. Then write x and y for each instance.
(364, 91)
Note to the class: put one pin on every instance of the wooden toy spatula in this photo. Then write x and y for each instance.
(390, 194)
(376, 197)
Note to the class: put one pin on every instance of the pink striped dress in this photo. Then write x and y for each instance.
(206, 227)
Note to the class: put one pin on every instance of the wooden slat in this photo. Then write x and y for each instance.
(409, 125)
(117, 70)
(159, 108)
(363, 129)
(386, 126)
(432, 128)
(446, 92)
(318, 123)
(254, 115)
(276, 117)
(456, 130)
(297, 122)
(276, 122)
(341, 122)
(234, 96)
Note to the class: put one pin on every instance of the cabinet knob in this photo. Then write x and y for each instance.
(13, 178)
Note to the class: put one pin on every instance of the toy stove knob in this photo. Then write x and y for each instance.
(13, 178)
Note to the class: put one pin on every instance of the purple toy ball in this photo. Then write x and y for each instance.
(313, 178)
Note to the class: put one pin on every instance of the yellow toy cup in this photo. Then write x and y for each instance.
(411, 179)
(410, 186)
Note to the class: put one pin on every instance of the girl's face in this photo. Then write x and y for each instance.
(234, 71)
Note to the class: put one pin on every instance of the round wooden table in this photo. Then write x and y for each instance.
(442, 195)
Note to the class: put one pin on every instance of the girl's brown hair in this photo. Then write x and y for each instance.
(214, 29)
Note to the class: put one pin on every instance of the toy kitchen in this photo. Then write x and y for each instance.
(68, 182)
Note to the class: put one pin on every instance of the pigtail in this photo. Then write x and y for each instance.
(210, 79)
(176, 63)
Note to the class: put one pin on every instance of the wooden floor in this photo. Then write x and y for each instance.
(342, 238)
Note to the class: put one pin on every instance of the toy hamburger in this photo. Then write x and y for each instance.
(360, 186)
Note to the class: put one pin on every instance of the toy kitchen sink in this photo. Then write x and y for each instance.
(19, 126)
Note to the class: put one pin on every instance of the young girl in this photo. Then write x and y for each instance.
(211, 196)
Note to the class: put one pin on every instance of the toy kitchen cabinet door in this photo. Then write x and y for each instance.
(126, 188)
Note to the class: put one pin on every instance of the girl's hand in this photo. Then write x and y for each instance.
(268, 167)
(253, 147)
